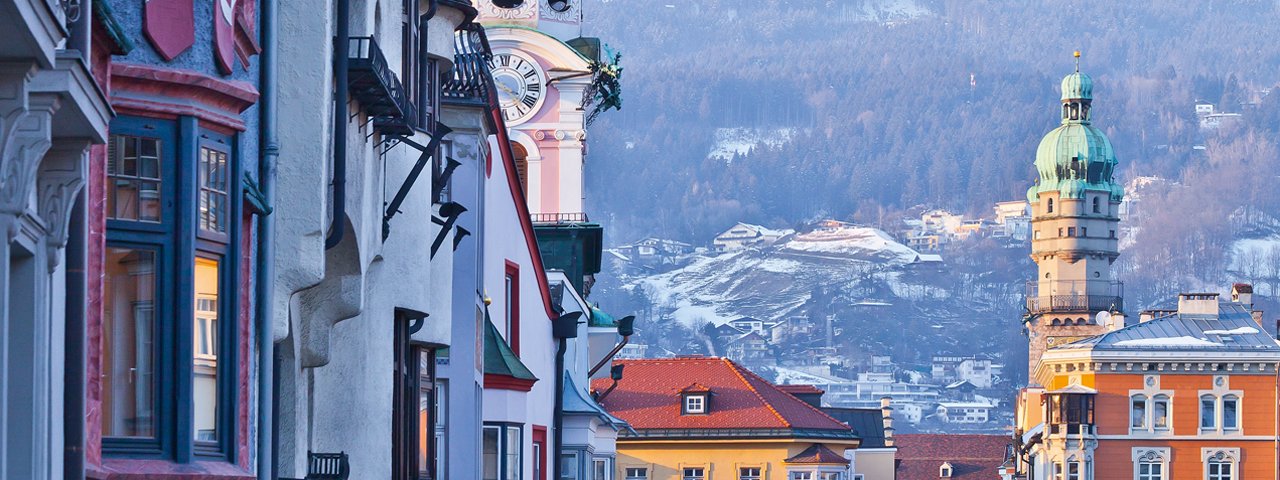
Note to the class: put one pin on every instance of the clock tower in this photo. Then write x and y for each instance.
(542, 69)
(1074, 222)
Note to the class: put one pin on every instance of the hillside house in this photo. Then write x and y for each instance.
(749, 349)
(744, 235)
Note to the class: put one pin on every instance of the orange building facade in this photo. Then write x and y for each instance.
(1183, 394)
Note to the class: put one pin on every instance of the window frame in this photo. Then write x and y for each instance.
(1230, 456)
(1150, 456)
(504, 428)
(178, 241)
(511, 302)
(687, 407)
(635, 473)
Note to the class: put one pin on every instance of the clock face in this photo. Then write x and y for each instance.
(520, 85)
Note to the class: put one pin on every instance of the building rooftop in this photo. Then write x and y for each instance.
(741, 403)
(817, 454)
(1231, 329)
(972, 457)
(867, 423)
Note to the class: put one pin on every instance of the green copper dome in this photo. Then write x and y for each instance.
(1076, 157)
(1077, 86)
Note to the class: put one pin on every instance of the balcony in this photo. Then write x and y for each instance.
(376, 87)
(1075, 296)
(558, 218)
(468, 83)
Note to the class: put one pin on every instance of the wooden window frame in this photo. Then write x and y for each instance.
(177, 241)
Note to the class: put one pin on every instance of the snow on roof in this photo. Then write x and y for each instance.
(1234, 331)
(855, 242)
(618, 255)
(1183, 341)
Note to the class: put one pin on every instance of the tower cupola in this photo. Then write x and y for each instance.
(1076, 157)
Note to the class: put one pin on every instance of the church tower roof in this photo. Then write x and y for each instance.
(1076, 157)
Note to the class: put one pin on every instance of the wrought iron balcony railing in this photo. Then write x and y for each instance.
(377, 88)
(1075, 296)
(558, 218)
(469, 80)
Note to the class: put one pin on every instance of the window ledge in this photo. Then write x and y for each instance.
(140, 469)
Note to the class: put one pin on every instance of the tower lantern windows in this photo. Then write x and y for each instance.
(1097, 205)
(1049, 206)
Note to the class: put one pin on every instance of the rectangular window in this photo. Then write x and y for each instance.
(830, 476)
(213, 186)
(169, 332)
(511, 312)
(539, 452)
(1113, 234)
(1058, 472)
(749, 473)
(128, 337)
(1073, 471)
(1084, 231)
(695, 404)
(636, 473)
(413, 405)
(1037, 235)
(512, 453)
(568, 466)
(1071, 231)
(440, 447)
(600, 469)
(133, 178)
(204, 368)
(801, 475)
(500, 452)
(1150, 471)
(693, 473)
(1219, 470)
(1060, 232)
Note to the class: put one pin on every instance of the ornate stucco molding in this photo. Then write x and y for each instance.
(61, 176)
(24, 146)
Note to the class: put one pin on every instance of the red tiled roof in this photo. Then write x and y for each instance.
(648, 397)
(800, 389)
(972, 456)
(818, 454)
(695, 387)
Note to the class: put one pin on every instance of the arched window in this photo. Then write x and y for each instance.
(1138, 411)
(1208, 412)
(1050, 207)
(1160, 412)
(522, 166)
(1097, 205)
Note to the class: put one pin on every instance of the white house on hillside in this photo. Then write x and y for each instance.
(745, 235)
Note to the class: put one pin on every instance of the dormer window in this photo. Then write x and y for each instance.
(945, 470)
(694, 399)
(695, 404)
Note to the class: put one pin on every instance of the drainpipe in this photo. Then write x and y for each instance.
(341, 50)
(74, 383)
(265, 267)
(563, 328)
(625, 328)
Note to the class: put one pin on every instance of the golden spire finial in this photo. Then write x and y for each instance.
(1077, 54)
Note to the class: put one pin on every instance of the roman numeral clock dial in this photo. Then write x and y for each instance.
(520, 83)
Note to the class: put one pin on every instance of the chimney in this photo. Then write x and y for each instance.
(886, 412)
(1198, 303)
(1242, 293)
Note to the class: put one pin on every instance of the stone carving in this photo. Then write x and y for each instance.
(571, 12)
(62, 175)
(526, 10)
(25, 144)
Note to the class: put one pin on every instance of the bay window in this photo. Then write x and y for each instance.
(501, 452)
(168, 389)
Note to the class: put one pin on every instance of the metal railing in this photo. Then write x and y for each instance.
(469, 80)
(377, 88)
(1075, 296)
(559, 218)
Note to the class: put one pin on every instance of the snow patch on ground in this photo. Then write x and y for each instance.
(1183, 341)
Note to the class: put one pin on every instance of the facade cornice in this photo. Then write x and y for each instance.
(494, 381)
(150, 91)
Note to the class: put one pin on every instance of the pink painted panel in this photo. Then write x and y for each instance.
(170, 26)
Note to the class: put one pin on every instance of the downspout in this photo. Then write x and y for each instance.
(557, 416)
(265, 267)
(74, 383)
(625, 328)
(341, 47)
